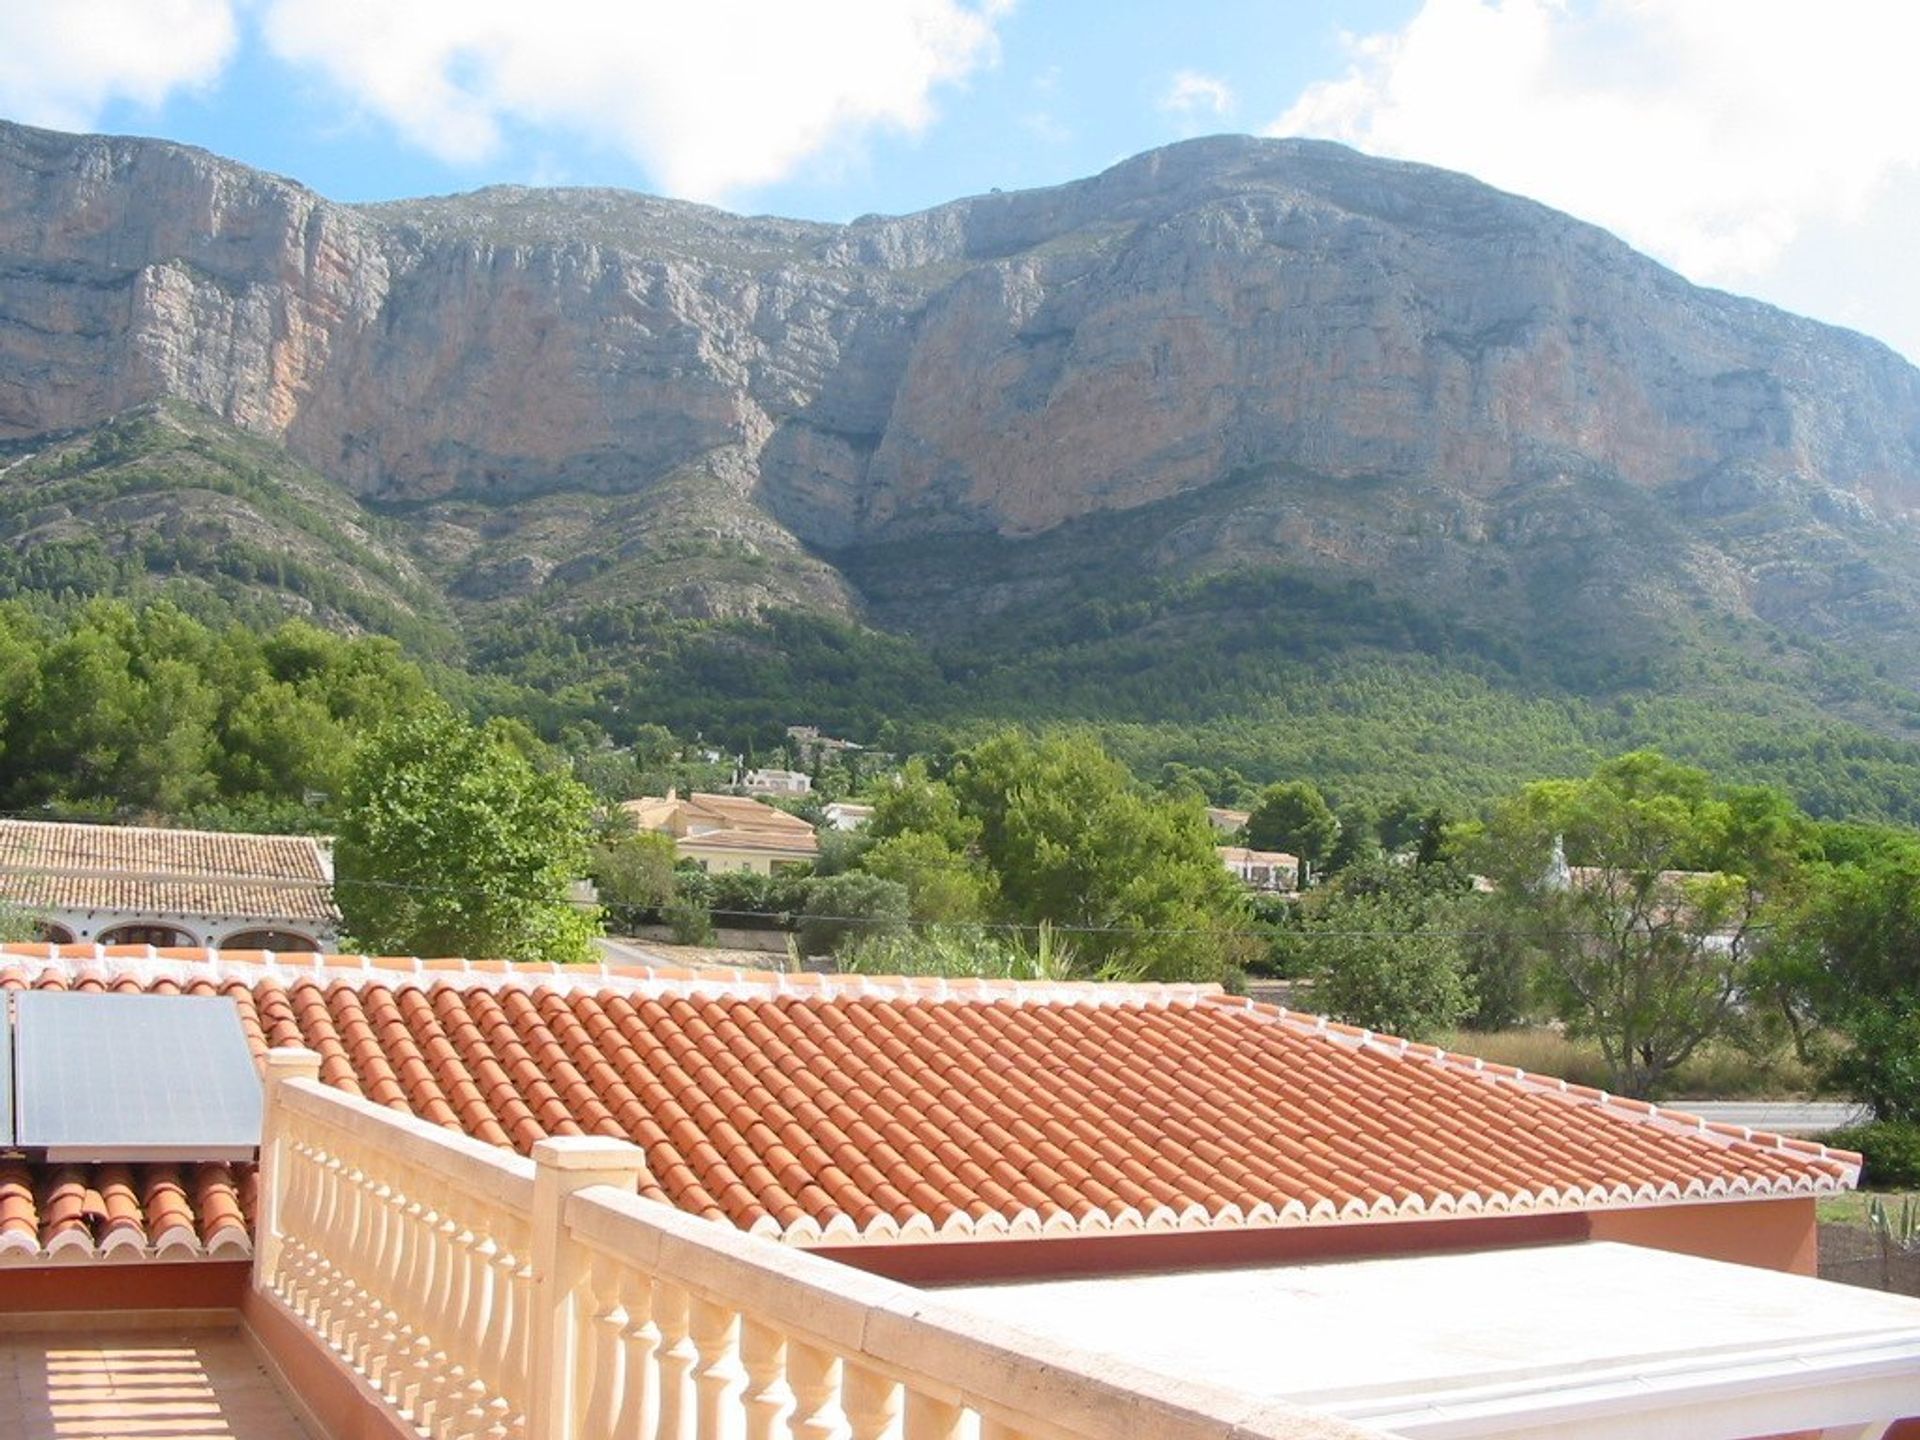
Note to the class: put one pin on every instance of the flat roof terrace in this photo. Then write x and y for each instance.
(180, 1384)
(1586, 1341)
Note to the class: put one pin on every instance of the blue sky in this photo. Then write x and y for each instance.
(1070, 91)
(1770, 147)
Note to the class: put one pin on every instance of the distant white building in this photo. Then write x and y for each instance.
(846, 815)
(1272, 872)
(134, 885)
(777, 782)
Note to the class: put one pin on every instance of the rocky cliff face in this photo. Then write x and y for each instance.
(1007, 363)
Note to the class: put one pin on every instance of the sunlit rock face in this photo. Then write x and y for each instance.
(1010, 362)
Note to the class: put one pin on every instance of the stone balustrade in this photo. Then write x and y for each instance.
(487, 1295)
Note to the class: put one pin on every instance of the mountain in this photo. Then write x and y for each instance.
(1154, 446)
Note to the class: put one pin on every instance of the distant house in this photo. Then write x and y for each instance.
(720, 833)
(1228, 822)
(777, 782)
(132, 885)
(1272, 872)
(846, 815)
(812, 747)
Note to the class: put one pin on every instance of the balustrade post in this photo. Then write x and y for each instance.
(562, 1165)
(291, 1063)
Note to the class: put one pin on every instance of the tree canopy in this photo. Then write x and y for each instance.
(147, 713)
(1647, 931)
(1054, 831)
(1294, 817)
(452, 843)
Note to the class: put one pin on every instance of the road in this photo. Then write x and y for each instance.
(1781, 1117)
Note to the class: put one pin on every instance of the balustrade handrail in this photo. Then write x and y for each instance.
(487, 1294)
(913, 1338)
(481, 1171)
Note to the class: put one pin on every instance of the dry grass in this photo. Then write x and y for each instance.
(1851, 1208)
(1717, 1071)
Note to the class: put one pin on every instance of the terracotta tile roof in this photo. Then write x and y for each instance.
(843, 1109)
(776, 841)
(124, 1212)
(43, 845)
(308, 904)
(44, 864)
(726, 812)
(741, 811)
(1242, 855)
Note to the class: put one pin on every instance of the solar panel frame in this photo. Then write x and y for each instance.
(6, 1075)
(133, 1077)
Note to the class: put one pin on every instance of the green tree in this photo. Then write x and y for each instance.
(634, 874)
(923, 805)
(943, 885)
(1293, 816)
(1384, 947)
(1851, 962)
(1358, 841)
(452, 843)
(843, 908)
(1647, 933)
(1131, 879)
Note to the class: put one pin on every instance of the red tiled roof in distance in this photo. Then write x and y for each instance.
(845, 1109)
(55, 865)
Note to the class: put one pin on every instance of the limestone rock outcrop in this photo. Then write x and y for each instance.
(1005, 363)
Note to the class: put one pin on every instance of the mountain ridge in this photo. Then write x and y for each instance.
(612, 419)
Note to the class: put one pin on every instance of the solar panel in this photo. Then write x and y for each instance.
(6, 1077)
(133, 1077)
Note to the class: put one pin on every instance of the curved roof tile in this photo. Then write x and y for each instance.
(837, 1109)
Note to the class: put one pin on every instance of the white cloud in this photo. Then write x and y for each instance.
(1723, 136)
(710, 98)
(1192, 94)
(63, 61)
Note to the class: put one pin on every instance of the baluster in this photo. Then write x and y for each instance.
(495, 1334)
(378, 1339)
(327, 1291)
(417, 1379)
(602, 1380)
(929, 1419)
(345, 1235)
(763, 1351)
(1000, 1430)
(814, 1377)
(396, 1259)
(294, 1283)
(362, 1321)
(519, 1352)
(440, 1318)
(717, 1381)
(415, 1280)
(872, 1403)
(640, 1342)
(450, 1335)
(466, 1338)
(677, 1359)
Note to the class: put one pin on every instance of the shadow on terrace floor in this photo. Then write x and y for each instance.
(139, 1385)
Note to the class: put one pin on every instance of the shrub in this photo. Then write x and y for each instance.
(689, 919)
(1890, 1148)
(841, 907)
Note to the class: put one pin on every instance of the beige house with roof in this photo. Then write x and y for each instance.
(1272, 872)
(722, 833)
(136, 885)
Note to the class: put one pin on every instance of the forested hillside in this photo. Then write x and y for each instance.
(1259, 456)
